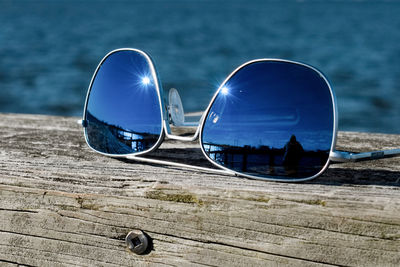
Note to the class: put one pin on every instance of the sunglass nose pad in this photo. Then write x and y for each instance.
(175, 108)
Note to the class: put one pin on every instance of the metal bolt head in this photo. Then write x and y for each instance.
(137, 241)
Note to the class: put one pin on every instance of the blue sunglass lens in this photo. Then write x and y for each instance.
(123, 111)
(272, 119)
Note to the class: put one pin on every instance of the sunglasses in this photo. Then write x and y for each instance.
(270, 119)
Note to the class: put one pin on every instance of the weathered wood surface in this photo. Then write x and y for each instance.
(62, 204)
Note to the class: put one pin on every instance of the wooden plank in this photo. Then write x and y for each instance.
(61, 204)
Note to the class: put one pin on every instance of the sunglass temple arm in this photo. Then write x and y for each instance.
(344, 156)
(180, 165)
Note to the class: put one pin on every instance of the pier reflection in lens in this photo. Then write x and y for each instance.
(277, 121)
(123, 111)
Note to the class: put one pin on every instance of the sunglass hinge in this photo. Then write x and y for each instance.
(83, 123)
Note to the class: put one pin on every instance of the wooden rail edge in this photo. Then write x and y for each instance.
(61, 204)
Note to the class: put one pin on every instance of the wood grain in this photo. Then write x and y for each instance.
(61, 204)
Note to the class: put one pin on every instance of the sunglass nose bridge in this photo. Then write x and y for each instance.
(175, 108)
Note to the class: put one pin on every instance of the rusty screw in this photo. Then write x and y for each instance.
(137, 241)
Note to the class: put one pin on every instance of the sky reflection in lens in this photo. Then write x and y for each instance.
(123, 110)
(271, 119)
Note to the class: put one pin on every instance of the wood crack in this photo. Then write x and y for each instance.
(244, 248)
(16, 263)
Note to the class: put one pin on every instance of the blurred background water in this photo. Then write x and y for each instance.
(50, 49)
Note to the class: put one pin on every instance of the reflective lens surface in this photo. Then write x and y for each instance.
(272, 119)
(123, 112)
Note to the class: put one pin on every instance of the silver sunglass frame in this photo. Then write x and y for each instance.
(335, 156)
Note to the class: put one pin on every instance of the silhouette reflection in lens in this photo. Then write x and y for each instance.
(292, 155)
(275, 121)
(123, 112)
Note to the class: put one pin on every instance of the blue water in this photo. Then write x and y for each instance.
(49, 49)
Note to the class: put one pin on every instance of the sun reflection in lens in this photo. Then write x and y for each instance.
(145, 80)
(224, 90)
